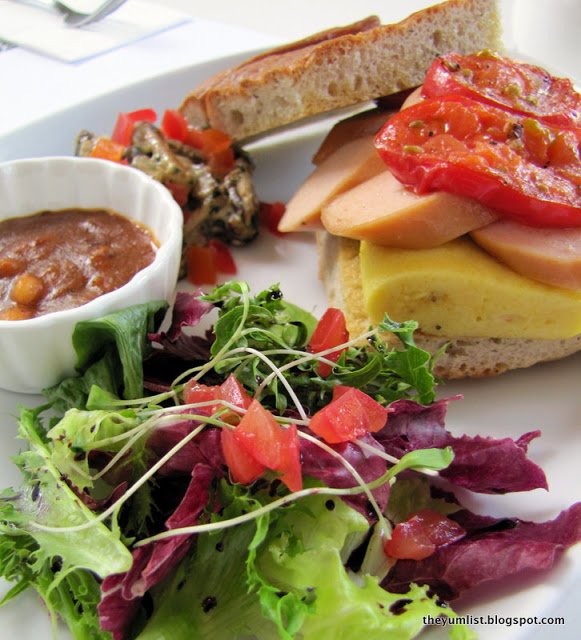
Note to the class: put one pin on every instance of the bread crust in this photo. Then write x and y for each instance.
(464, 357)
(339, 67)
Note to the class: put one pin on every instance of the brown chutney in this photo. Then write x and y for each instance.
(55, 260)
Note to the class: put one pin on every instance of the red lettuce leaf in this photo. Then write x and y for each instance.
(319, 464)
(204, 448)
(174, 347)
(188, 311)
(485, 465)
(493, 549)
(121, 594)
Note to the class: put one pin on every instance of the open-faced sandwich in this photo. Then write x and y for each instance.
(463, 212)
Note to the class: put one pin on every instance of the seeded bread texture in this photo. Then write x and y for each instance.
(339, 67)
(464, 357)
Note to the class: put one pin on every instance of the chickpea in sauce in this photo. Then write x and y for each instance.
(55, 260)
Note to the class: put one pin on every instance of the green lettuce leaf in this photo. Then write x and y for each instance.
(62, 566)
(110, 353)
(308, 557)
(412, 494)
(283, 576)
(208, 596)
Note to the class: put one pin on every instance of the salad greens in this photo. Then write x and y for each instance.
(130, 526)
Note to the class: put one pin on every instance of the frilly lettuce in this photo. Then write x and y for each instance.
(294, 584)
(31, 545)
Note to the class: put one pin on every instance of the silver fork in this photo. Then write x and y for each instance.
(75, 18)
(78, 19)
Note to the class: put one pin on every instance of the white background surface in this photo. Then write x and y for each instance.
(33, 88)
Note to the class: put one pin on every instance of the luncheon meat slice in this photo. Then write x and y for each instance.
(381, 210)
(364, 123)
(552, 256)
(350, 165)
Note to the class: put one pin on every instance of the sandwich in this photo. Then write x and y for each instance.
(481, 315)
(491, 272)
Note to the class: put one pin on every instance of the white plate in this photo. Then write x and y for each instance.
(545, 397)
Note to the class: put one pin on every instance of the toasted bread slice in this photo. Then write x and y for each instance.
(339, 67)
(464, 357)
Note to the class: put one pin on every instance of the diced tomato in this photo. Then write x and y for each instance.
(205, 263)
(331, 331)
(179, 191)
(107, 149)
(230, 391)
(223, 256)
(217, 147)
(125, 124)
(350, 415)
(270, 214)
(421, 534)
(174, 125)
(502, 82)
(466, 147)
(195, 138)
(339, 390)
(243, 467)
(195, 392)
(201, 265)
(270, 444)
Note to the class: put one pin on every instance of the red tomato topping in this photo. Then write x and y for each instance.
(270, 214)
(107, 149)
(125, 124)
(271, 445)
(350, 415)
(524, 169)
(243, 468)
(331, 331)
(223, 256)
(499, 81)
(421, 534)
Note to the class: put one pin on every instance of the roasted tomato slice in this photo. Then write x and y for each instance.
(526, 170)
(331, 331)
(270, 444)
(421, 534)
(502, 82)
(350, 415)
